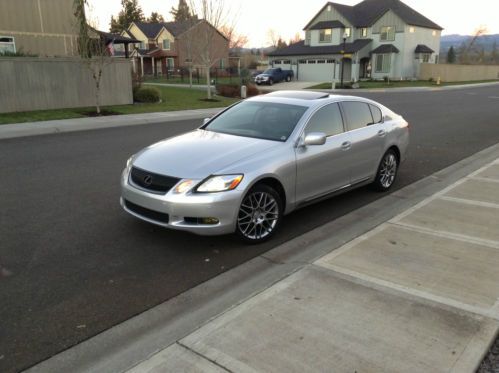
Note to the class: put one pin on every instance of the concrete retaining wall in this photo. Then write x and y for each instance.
(55, 83)
(458, 73)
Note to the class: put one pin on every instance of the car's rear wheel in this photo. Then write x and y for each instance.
(288, 78)
(387, 171)
(259, 215)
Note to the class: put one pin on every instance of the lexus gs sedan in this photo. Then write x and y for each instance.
(262, 158)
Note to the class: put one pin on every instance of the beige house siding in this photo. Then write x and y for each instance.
(43, 27)
(389, 19)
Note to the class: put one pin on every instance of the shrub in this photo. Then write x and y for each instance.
(147, 94)
(252, 90)
(228, 90)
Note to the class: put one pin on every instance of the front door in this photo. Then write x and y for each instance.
(321, 169)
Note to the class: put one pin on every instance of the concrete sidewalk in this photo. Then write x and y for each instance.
(81, 124)
(417, 293)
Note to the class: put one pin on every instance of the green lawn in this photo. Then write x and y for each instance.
(400, 84)
(172, 99)
(202, 80)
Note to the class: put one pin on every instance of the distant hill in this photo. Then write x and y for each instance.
(485, 41)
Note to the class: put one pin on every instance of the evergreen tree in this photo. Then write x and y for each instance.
(131, 12)
(281, 43)
(451, 55)
(182, 12)
(155, 18)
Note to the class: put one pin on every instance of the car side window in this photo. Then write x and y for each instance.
(327, 119)
(358, 114)
(376, 113)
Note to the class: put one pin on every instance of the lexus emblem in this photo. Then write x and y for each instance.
(148, 180)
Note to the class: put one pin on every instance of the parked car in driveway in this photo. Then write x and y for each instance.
(275, 75)
(260, 159)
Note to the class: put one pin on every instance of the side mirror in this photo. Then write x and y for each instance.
(315, 138)
(206, 120)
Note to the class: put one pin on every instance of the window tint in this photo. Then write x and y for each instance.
(376, 112)
(358, 114)
(327, 120)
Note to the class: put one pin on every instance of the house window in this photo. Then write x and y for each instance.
(426, 57)
(142, 45)
(166, 44)
(222, 63)
(329, 8)
(363, 32)
(348, 32)
(286, 62)
(302, 61)
(383, 62)
(321, 61)
(311, 61)
(7, 44)
(170, 63)
(325, 36)
(434, 33)
(412, 29)
(387, 33)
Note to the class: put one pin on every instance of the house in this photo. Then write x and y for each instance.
(375, 39)
(45, 28)
(166, 46)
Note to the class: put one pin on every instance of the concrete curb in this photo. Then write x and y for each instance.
(138, 338)
(8, 131)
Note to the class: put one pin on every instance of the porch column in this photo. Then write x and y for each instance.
(153, 67)
(134, 67)
(141, 66)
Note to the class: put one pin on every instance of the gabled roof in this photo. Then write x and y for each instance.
(367, 12)
(385, 48)
(151, 30)
(327, 25)
(300, 49)
(421, 48)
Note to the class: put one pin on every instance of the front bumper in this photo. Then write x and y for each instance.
(222, 206)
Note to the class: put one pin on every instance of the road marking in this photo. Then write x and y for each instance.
(484, 179)
(471, 93)
(493, 96)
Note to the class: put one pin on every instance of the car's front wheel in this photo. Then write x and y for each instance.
(387, 171)
(288, 78)
(259, 214)
(271, 81)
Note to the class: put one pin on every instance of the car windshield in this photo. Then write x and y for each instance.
(262, 120)
(269, 71)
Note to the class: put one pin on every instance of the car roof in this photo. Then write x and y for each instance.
(306, 98)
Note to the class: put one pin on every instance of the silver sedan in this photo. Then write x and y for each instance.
(260, 159)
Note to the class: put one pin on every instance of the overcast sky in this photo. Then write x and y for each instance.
(256, 17)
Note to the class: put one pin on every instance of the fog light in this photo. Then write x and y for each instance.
(210, 221)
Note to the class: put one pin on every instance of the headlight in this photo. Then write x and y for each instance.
(184, 186)
(220, 183)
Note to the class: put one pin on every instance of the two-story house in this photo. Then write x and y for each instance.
(372, 39)
(165, 46)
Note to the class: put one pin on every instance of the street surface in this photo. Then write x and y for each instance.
(73, 264)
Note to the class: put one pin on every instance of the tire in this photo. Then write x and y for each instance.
(288, 78)
(271, 82)
(387, 172)
(259, 215)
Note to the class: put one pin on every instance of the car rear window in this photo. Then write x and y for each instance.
(358, 114)
(263, 120)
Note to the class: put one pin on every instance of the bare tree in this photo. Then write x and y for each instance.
(236, 41)
(295, 39)
(213, 14)
(469, 47)
(273, 37)
(92, 48)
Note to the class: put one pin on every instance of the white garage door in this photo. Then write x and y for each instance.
(315, 70)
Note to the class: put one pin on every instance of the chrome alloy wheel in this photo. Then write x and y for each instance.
(388, 170)
(258, 215)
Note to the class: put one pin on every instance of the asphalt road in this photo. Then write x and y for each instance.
(73, 264)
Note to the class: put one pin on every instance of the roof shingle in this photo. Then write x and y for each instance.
(327, 25)
(385, 48)
(300, 49)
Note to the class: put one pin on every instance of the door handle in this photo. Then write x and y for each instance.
(346, 145)
(381, 133)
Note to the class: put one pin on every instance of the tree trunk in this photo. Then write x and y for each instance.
(208, 81)
(190, 77)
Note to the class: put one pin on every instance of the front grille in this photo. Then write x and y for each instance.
(151, 181)
(149, 214)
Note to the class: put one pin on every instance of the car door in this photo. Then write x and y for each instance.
(321, 169)
(367, 137)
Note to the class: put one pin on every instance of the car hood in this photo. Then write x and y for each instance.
(198, 154)
(262, 75)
